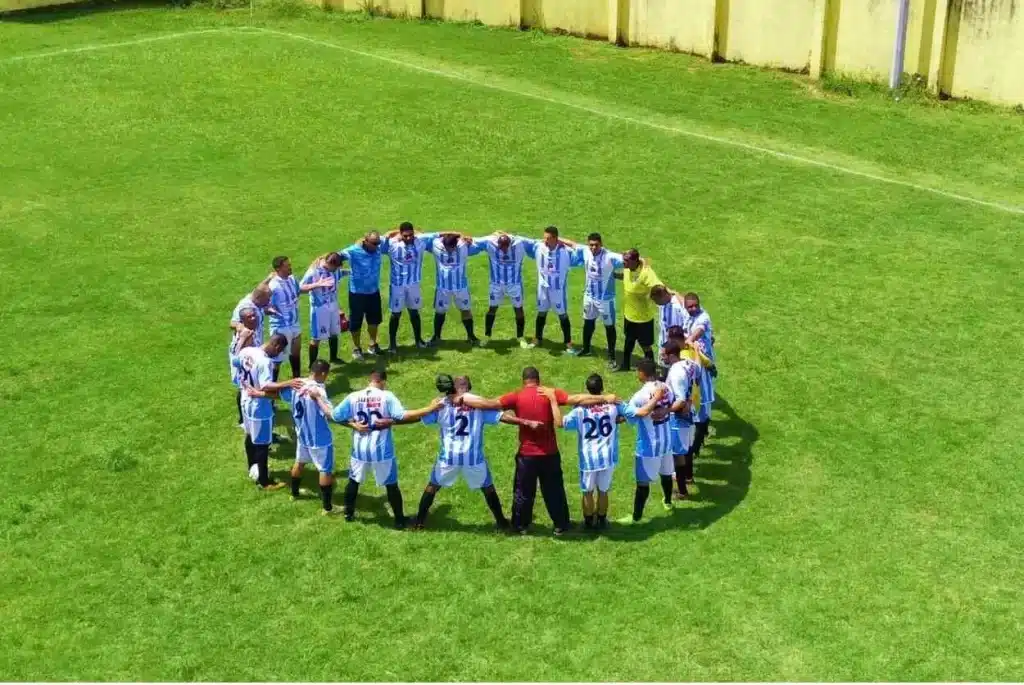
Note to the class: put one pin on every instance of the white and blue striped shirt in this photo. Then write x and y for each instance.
(653, 435)
(600, 270)
(462, 433)
(702, 319)
(255, 370)
(506, 265)
(669, 315)
(451, 265)
(234, 348)
(407, 259)
(368, 406)
(284, 298)
(319, 297)
(681, 377)
(552, 264)
(597, 431)
(311, 425)
(236, 317)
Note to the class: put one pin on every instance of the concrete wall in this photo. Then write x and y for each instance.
(777, 34)
(867, 32)
(582, 17)
(685, 25)
(988, 59)
(493, 12)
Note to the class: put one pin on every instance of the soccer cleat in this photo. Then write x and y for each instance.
(303, 492)
(401, 523)
(484, 342)
(602, 524)
(474, 341)
(503, 526)
(532, 344)
(559, 532)
(572, 351)
(350, 517)
(613, 365)
(274, 485)
(373, 349)
(357, 354)
(667, 506)
(524, 343)
(627, 521)
(331, 512)
(681, 496)
(422, 344)
(337, 361)
(393, 351)
(433, 342)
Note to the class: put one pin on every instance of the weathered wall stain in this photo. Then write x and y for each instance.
(981, 16)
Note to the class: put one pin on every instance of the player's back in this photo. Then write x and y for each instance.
(462, 433)
(311, 425)
(254, 371)
(451, 265)
(407, 260)
(653, 432)
(506, 265)
(597, 435)
(369, 406)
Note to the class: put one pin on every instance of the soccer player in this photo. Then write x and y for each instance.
(700, 335)
(599, 293)
(284, 314)
(451, 255)
(597, 444)
(240, 340)
(462, 448)
(670, 311)
(321, 282)
(364, 291)
(653, 439)
(505, 254)
(257, 300)
(405, 250)
(682, 375)
(637, 281)
(311, 411)
(256, 373)
(377, 408)
(554, 259)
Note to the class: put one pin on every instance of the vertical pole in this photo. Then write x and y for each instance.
(896, 73)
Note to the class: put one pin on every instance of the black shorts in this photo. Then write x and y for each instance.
(364, 306)
(643, 333)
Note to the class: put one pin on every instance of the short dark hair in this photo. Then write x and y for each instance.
(334, 257)
(406, 226)
(278, 261)
(320, 366)
(672, 348)
(444, 384)
(278, 339)
(647, 368)
(378, 375)
(631, 253)
(449, 241)
(464, 380)
(372, 235)
(658, 291)
(595, 384)
(553, 230)
(675, 333)
(692, 296)
(530, 373)
(595, 236)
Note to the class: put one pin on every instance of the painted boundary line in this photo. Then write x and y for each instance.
(757, 149)
(786, 156)
(92, 47)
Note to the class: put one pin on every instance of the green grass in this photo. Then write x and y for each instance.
(859, 507)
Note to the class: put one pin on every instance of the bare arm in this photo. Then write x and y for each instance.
(652, 403)
(586, 400)
(479, 403)
(513, 420)
(556, 413)
(416, 414)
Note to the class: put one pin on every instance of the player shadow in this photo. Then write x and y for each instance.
(723, 476)
(55, 13)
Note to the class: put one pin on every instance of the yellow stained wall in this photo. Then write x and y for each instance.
(989, 61)
(867, 34)
(582, 17)
(686, 25)
(493, 12)
(777, 34)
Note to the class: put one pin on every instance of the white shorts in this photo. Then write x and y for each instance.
(649, 468)
(603, 309)
(513, 292)
(292, 332)
(550, 298)
(260, 431)
(443, 297)
(596, 480)
(324, 322)
(404, 297)
(682, 436)
(320, 457)
(384, 472)
(476, 477)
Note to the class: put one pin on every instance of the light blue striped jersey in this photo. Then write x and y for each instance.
(236, 317)
(318, 297)
(506, 265)
(597, 434)
(365, 278)
(552, 265)
(600, 270)
(669, 315)
(653, 435)
(681, 377)
(407, 259)
(702, 319)
(234, 348)
(368, 406)
(451, 265)
(462, 433)
(255, 370)
(311, 424)
(284, 298)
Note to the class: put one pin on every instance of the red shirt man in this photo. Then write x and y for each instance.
(528, 403)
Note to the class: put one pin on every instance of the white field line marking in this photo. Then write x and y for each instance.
(92, 47)
(650, 124)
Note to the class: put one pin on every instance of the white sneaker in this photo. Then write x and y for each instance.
(357, 354)
(484, 342)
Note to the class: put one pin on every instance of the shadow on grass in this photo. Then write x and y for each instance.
(56, 13)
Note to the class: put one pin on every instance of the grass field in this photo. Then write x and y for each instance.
(859, 510)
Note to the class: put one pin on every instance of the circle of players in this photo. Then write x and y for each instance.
(671, 410)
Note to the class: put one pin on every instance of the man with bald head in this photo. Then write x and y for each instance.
(364, 301)
(506, 254)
